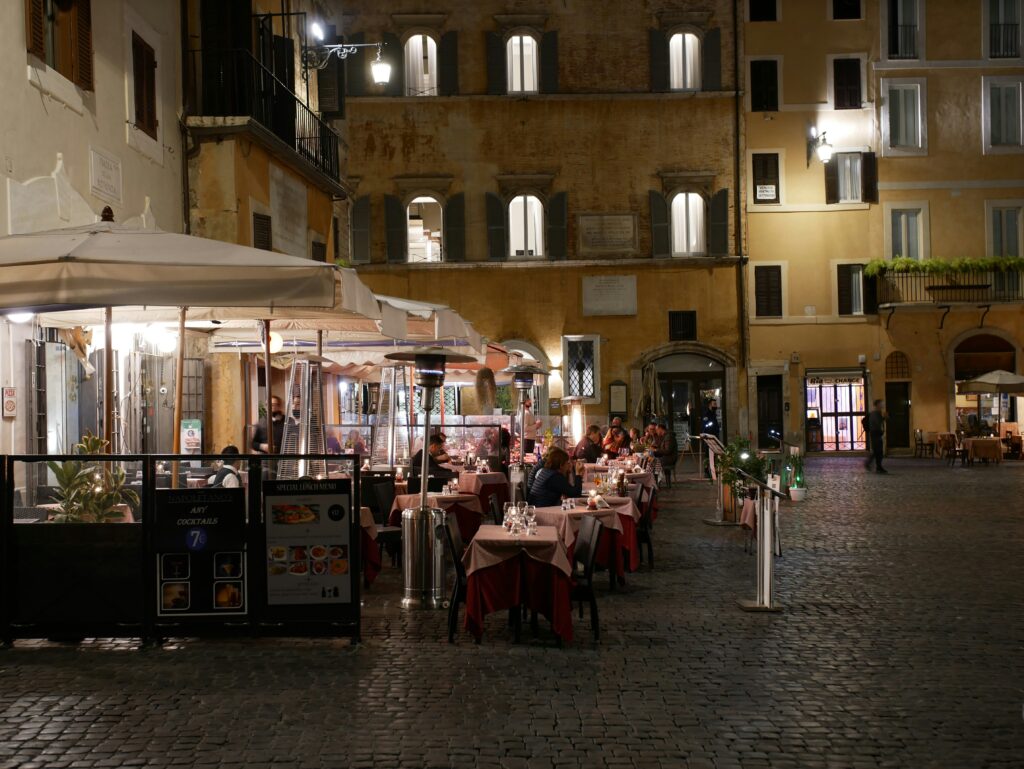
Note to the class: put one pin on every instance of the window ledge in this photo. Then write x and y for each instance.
(1004, 149)
(793, 208)
(813, 320)
(702, 262)
(55, 85)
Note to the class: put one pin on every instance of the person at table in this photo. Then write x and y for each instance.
(556, 480)
(227, 477)
(435, 450)
(666, 449)
(589, 447)
(259, 440)
(615, 440)
(358, 445)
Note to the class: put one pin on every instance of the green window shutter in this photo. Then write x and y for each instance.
(454, 246)
(846, 83)
(557, 216)
(354, 75)
(658, 45)
(844, 288)
(396, 227)
(496, 75)
(549, 62)
(360, 224)
(497, 240)
(711, 60)
(868, 177)
(768, 291)
(394, 54)
(832, 181)
(661, 241)
(448, 64)
(330, 87)
(718, 223)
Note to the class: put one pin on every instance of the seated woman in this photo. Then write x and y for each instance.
(555, 480)
(614, 440)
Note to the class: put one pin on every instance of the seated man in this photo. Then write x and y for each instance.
(555, 481)
(666, 449)
(589, 447)
(435, 452)
(227, 477)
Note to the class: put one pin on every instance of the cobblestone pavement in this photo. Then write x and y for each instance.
(900, 646)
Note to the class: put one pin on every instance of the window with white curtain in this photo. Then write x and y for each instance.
(904, 115)
(848, 164)
(856, 289)
(421, 66)
(688, 230)
(1006, 231)
(684, 62)
(1002, 112)
(906, 233)
(526, 227)
(522, 54)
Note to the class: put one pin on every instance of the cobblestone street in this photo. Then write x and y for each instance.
(901, 644)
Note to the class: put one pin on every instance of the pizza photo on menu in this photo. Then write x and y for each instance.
(291, 515)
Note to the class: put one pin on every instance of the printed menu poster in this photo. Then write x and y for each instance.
(308, 543)
(200, 552)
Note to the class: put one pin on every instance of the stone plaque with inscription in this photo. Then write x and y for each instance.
(289, 212)
(607, 233)
(609, 295)
(105, 175)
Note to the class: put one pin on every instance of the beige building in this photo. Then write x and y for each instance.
(918, 104)
(562, 175)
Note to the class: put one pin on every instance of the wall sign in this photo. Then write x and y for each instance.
(10, 401)
(105, 176)
(606, 233)
(191, 436)
(766, 192)
(609, 295)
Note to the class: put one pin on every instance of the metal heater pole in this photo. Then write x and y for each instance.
(422, 557)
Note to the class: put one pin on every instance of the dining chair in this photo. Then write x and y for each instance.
(449, 532)
(923, 448)
(584, 553)
(389, 537)
(496, 512)
(644, 526)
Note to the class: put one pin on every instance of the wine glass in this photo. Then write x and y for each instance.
(531, 519)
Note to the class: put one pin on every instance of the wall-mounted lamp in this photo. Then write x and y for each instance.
(318, 57)
(818, 146)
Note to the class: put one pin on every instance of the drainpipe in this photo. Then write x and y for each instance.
(737, 195)
(182, 122)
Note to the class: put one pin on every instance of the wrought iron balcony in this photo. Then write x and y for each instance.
(231, 83)
(975, 287)
(903, 41)
(1004, 41)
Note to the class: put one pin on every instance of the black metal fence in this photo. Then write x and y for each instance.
(980, 286)
(228, 83)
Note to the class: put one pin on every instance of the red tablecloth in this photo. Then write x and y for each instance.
(371, 557)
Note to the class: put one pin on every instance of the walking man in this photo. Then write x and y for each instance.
(875, 428)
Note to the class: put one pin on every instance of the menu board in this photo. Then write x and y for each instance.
(200, 552)
(308, 542)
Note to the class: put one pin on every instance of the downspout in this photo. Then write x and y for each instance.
(186, 153)
(737, 194)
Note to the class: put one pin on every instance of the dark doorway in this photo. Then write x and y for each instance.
(897, 408)
(769, 410)
(687, 397)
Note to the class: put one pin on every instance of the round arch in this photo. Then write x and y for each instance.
(1009, 346)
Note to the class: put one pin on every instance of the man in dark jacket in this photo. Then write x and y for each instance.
(259, 440)
(875, 424)
(589, 447)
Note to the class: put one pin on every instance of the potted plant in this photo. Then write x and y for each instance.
(797, 485)
(739, 456)
(89, 491)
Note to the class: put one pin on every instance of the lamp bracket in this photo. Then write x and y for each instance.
(319, 57)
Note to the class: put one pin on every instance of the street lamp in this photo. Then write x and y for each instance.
(524, 377)
(422, 552)
(319, 56)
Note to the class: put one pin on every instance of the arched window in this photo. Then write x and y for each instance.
(897, 366)
(424, 219)
(522, 54)
(421, 66)
(684, 62)
(526, 227)
(688, 236)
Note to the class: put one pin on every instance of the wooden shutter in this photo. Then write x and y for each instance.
(330, 84)
(497, 82)
(868, 177)
(870, 294)
(682, 325)
(711, 60)
(497, 241)
(353, 75)
(832, 180)
(558, 226)
(661, 240)
(144, 82)
(360, 224)
(396, 227)
(658, 45)
(318, 251)
(262, 232)
(82, 34)
(718, 223)
(766, 174)
(455, 229)
(394, 53)
(844, 288)
(335, 233)
(448, 64)
(35, 28)
(549, 62)
(846, 83)
(768, 291)
(764, 85)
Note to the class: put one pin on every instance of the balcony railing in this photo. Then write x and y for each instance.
(1004, 41)
(903, 41)
(230, 83)
(977, 287)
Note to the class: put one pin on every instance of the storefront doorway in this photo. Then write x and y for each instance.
(836, 405)
(974, 356)
(690, 385)
(769, 410)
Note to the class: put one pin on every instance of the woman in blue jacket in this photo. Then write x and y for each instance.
(555, 480)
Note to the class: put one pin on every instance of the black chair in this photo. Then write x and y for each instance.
(496, 509)
(367, 496)
(389, 537)
(923, 448)
(644, 526)
(584, 553)
(434, 485)
(449, 531)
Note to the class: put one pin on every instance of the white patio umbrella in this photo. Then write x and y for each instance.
(996, 382)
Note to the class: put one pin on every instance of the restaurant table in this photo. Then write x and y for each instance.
(505, 571)
(483, 485)
(983, 448)
(620, 520)
(371, 552)
(465, 507)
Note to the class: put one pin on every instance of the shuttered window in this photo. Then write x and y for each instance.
(62, 38)
(850, 289)
(682, 325)
(318, 251)
(766, 177)
(764, 85)
(846, 83)
(262, 234)
(768, 291)
(763, 10)
(144, 80)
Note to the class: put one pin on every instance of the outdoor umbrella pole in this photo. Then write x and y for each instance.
(179, 393)
(270, 415)
(108, 380)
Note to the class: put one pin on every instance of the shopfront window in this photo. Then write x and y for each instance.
(835, 407)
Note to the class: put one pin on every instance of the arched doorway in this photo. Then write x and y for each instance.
(976, 355)
(690, 384)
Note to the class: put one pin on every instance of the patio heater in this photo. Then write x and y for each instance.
(524, 377)
(422, 551)
(577, 417)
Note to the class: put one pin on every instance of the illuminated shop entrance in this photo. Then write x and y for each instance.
(835, 407)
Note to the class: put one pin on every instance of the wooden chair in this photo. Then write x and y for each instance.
(449, 532)
(496, 511)
(389, 537)
(644, 526)
(923, 448)
(584, 553)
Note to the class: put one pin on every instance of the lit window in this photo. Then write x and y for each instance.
(581, 367)
(420, 66)
(850, 289)
(424, 219)
(848, 164)
(688, 224)
(684, 62)
(526, 227)
(522, 54)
